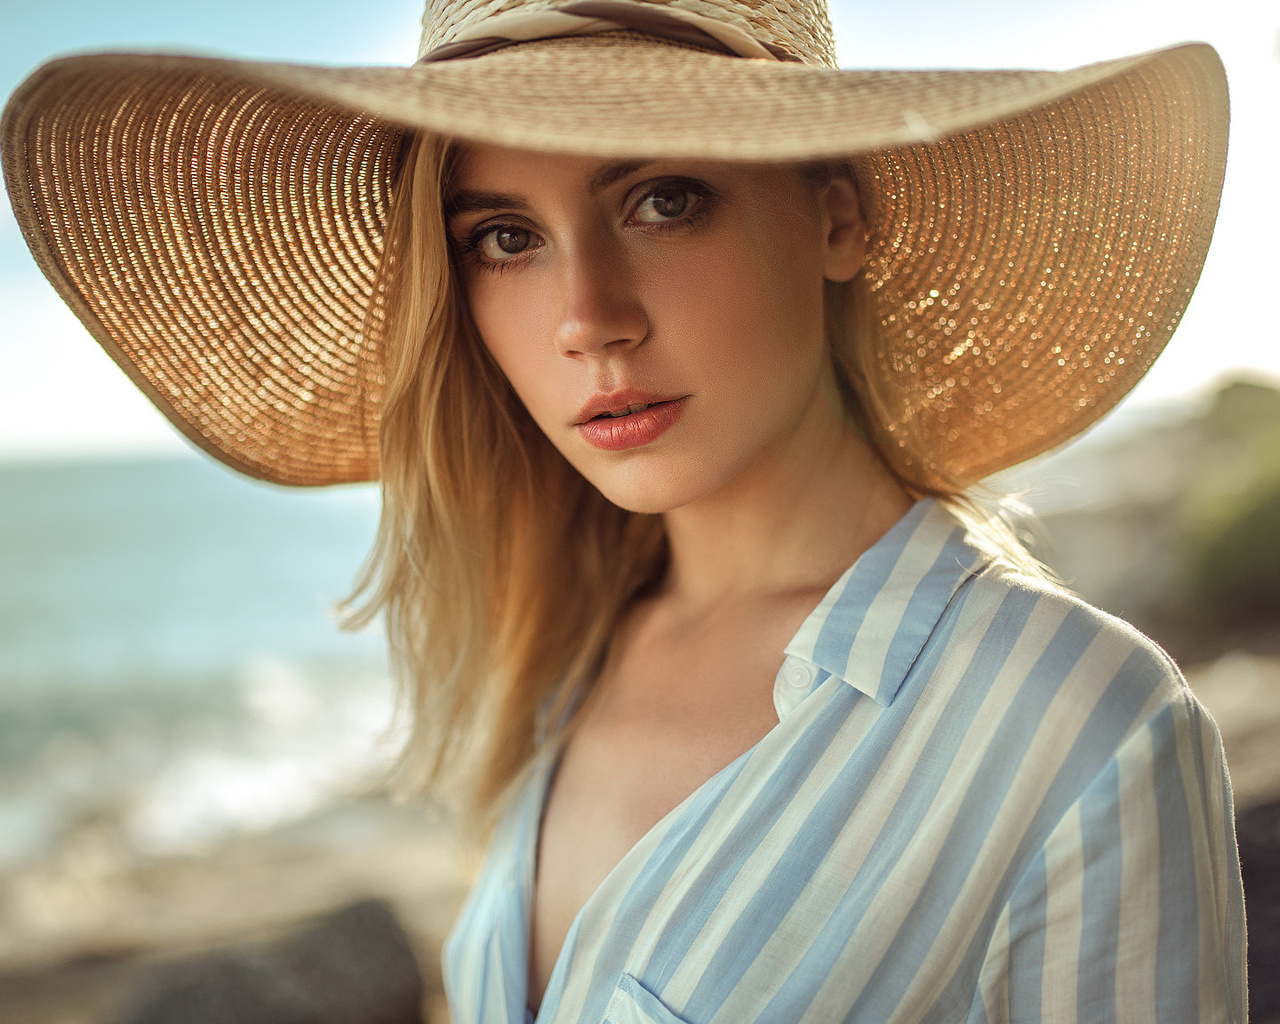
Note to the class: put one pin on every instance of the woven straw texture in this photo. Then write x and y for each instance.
(217, 224)
(1024, 277)
(800, 27)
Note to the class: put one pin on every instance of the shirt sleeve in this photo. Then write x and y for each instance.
(1132, 910)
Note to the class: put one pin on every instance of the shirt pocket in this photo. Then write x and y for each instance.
(632, 1003)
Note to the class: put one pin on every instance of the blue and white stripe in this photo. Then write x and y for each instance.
(984, 801)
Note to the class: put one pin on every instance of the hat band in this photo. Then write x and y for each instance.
(588, 17)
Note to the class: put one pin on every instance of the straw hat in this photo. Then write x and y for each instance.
(217, 224)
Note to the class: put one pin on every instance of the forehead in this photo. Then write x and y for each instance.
(476, 160)
(483, 177)
(504, 173)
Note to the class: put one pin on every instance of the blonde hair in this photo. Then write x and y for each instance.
(501, 572)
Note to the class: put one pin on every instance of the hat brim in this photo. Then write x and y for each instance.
(217, 224)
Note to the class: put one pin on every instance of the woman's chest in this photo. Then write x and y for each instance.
(625, 768)
(781, 881)
(673, 706)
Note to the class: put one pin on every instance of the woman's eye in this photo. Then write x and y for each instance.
(666, 203)
(502, 243)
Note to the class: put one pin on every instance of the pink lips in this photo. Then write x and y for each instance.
(615, 434)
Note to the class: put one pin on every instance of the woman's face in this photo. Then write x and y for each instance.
(662, 321)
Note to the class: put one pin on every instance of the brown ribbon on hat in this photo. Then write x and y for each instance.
(588, 17)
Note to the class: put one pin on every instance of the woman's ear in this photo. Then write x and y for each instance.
(844, 230)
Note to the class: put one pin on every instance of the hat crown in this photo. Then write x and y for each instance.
(799, 27)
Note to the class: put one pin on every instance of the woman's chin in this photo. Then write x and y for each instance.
(646, 492)
(644, 500)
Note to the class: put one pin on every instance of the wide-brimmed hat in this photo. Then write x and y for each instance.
(217, 224)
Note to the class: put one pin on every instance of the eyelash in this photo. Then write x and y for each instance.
(470, 250)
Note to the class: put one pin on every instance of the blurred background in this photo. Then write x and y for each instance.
(190, 751)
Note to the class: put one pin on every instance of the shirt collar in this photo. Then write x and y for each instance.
(871, 626)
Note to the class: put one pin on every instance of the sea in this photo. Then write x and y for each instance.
(171, 662)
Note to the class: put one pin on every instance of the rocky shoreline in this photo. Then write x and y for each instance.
(84, 934)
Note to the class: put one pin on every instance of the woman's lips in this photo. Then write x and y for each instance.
(615, 434)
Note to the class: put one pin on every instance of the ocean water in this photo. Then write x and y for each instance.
(170, 663)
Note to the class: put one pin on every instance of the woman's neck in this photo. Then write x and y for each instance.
(794, 522)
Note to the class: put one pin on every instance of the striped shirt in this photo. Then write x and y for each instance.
(983, 801)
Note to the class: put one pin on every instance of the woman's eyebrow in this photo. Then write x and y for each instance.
(470, 200)
(610, 173)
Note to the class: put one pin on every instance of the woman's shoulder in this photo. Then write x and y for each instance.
(1056, 698)
(1062, 660)
(949, 603)
(1036, 609)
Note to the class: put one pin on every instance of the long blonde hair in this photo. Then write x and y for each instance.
(500, 571)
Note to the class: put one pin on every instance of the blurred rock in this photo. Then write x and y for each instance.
(1171, 521)
(1258, 832)
(353, 966)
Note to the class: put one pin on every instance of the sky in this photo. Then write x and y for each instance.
(61, 395)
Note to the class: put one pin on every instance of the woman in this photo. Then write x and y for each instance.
(681, 347)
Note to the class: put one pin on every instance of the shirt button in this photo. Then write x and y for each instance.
(798, 676)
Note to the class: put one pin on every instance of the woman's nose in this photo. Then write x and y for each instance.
(601, 310)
